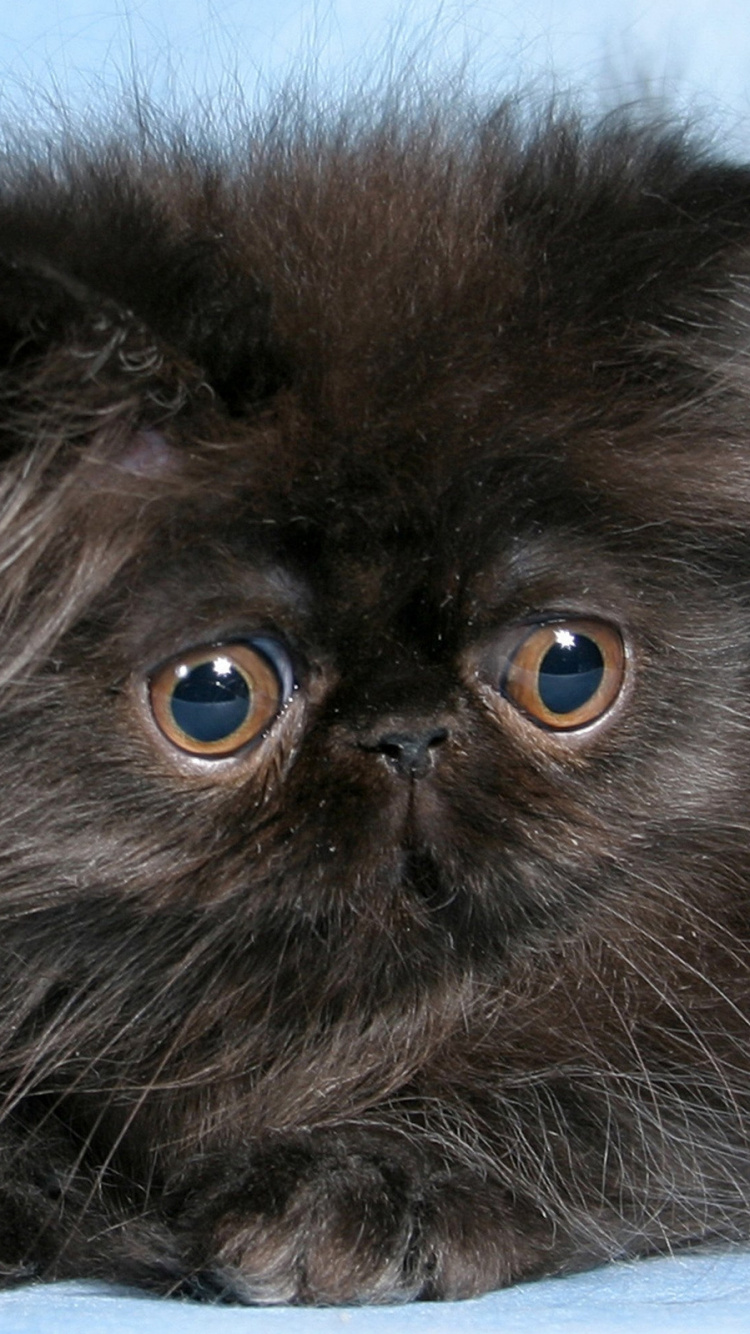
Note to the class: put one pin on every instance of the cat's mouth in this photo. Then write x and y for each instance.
(420, 875)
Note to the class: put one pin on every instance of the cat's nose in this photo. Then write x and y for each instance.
(410, 753)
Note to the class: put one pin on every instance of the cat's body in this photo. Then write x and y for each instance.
(413, 975)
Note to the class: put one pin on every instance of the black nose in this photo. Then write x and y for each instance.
(410, 752)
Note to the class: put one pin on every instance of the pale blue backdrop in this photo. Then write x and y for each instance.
(80, 52)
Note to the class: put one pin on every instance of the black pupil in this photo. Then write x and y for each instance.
(570, 673)
(210, 701)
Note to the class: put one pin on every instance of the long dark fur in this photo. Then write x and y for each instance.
(293, 1026)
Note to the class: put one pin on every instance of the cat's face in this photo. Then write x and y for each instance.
(387, 712)
(424, 645)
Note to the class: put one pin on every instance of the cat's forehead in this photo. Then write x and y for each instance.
(361, 538)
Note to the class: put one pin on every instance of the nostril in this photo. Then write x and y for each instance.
(409, 752)
(395, 744)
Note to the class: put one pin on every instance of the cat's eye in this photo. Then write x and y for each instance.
(214, 700)
(567, 674)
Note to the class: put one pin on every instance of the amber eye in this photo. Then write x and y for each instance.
(566, 674)
(214, 700)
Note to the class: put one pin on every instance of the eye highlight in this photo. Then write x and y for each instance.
(212, 701)
(566, 674)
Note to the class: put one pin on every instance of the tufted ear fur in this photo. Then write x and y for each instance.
(110, 324)
(98, 255)
(37, 307)
(82, 383)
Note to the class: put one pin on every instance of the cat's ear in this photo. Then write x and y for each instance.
(663, 299)
(631, 229)
(88, 395)
(76, 370)
(47, 313)
(200, 302)
(36, 308)
(188, 322)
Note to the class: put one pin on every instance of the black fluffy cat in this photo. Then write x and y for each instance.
(375, 707)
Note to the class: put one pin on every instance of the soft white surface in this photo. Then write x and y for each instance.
(695, 1294)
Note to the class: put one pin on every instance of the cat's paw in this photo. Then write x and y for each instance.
(340, 1222)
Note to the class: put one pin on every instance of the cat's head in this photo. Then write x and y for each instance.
(375, 545)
